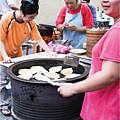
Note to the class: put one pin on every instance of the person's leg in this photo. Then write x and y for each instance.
(4, 96)
(3, 82)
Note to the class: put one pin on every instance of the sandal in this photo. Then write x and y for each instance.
(6, 110)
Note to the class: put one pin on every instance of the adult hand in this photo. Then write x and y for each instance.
(72, 27)
(65, 24)
(65, 89)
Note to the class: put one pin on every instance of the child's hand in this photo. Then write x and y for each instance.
(8, 60)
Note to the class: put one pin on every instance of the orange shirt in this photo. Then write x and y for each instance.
(13, 34)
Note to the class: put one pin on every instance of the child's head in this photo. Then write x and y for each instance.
(29, 7)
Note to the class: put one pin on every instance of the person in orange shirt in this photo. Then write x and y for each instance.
(15, 27)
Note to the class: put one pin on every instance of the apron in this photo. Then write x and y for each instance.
(78, 38)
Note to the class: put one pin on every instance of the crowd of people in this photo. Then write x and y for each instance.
(101, 88)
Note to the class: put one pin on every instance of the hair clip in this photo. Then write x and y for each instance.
(30, 1)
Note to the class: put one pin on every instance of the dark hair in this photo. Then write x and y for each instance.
(29, 8)
(87, 1)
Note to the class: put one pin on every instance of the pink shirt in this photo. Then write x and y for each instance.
(104, 104)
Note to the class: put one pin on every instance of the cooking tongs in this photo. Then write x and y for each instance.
(51, 82)
(45, 78)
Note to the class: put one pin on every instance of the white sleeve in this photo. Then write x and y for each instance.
(11, 2)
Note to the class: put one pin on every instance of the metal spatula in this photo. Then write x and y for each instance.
(71, 60)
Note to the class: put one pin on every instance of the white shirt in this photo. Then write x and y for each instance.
(4, 5)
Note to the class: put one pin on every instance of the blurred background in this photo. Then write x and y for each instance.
(50, 8)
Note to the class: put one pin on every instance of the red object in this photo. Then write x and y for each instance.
(56, 35)
(86, 13)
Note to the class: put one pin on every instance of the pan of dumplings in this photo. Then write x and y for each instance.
(41, 70)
